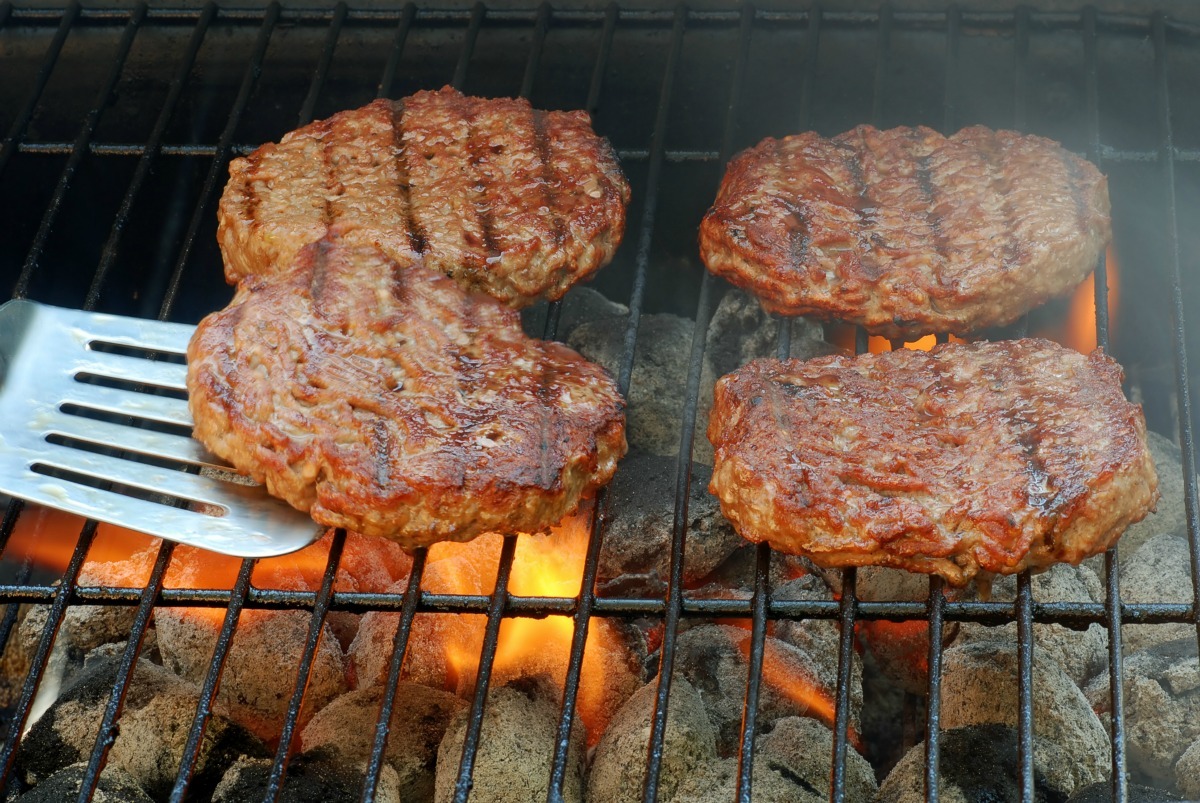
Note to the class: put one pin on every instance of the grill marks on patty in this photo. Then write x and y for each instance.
(386, 399)
(907, 231)
(515, 202)
(992, 457)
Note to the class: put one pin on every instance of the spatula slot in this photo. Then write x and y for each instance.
(114, 486)
(88, 378)
(125, 420)
(113, 450)
(142, 352)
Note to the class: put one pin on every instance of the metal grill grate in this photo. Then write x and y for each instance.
(121, 216)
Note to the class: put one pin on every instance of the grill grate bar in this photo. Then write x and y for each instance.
(412, 591)
(674, 602)
(1024, 600)
(540, 28)
(1076, 615)
(883, 50)
(683, 466)
(586, 602)
(487, 657)
(611, 17)
(478, 13)
(1112, 586)
(41, 656)
(316, 629)
(1108, 153)
(17, 131)
(1186, 438)
(393, 63)
(758, 639)
(149, 153)
(412, 595)
(933, 711)
(579, 635)
(937, 599)
(982, 21)
(499, 598)
(107, 734)
(212, 681)
(322, 70)
(1024, 613)
(78, 149)
(841, 724)
(249, 79)
(1021, 69)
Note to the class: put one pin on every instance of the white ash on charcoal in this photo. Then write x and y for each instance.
(255, 698)
(310, 778)
(900, 649)
(1171, 515)
(115, 786)
(579, 306)
(1187, 772)
(741, 330)
(636, 553)
(1162, 708)
(819, 639)
(1102, 793)
(714, 660)
(791, 764)
(84, 628)
(979, 687)
(659, 383)
(689, 745)
(1081, 653)
(1159, 571)
(344, 730)
(516, 750)
(977, 763)
(153, 728)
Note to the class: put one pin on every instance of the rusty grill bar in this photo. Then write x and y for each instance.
(24, 258)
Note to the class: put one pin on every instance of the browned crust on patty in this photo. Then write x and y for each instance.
(905, 231)
(994, 457)
(382, 397)
(513, 201)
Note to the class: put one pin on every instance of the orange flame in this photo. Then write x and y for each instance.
(878, 345)
(543, 566)
(123, 558)
(1079, 330)
(784, 674)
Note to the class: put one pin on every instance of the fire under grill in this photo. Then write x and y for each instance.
(118, 128)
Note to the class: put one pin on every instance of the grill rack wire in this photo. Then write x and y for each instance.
(761, 607)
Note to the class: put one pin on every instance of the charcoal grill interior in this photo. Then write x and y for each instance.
(119, 125)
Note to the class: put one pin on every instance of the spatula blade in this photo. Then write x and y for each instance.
(93, 421)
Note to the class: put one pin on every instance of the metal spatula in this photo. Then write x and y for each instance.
(94, 421)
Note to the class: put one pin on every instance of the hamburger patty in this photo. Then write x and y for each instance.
(515, 202)
(380, 396)
(992, 457)
(905, 231)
